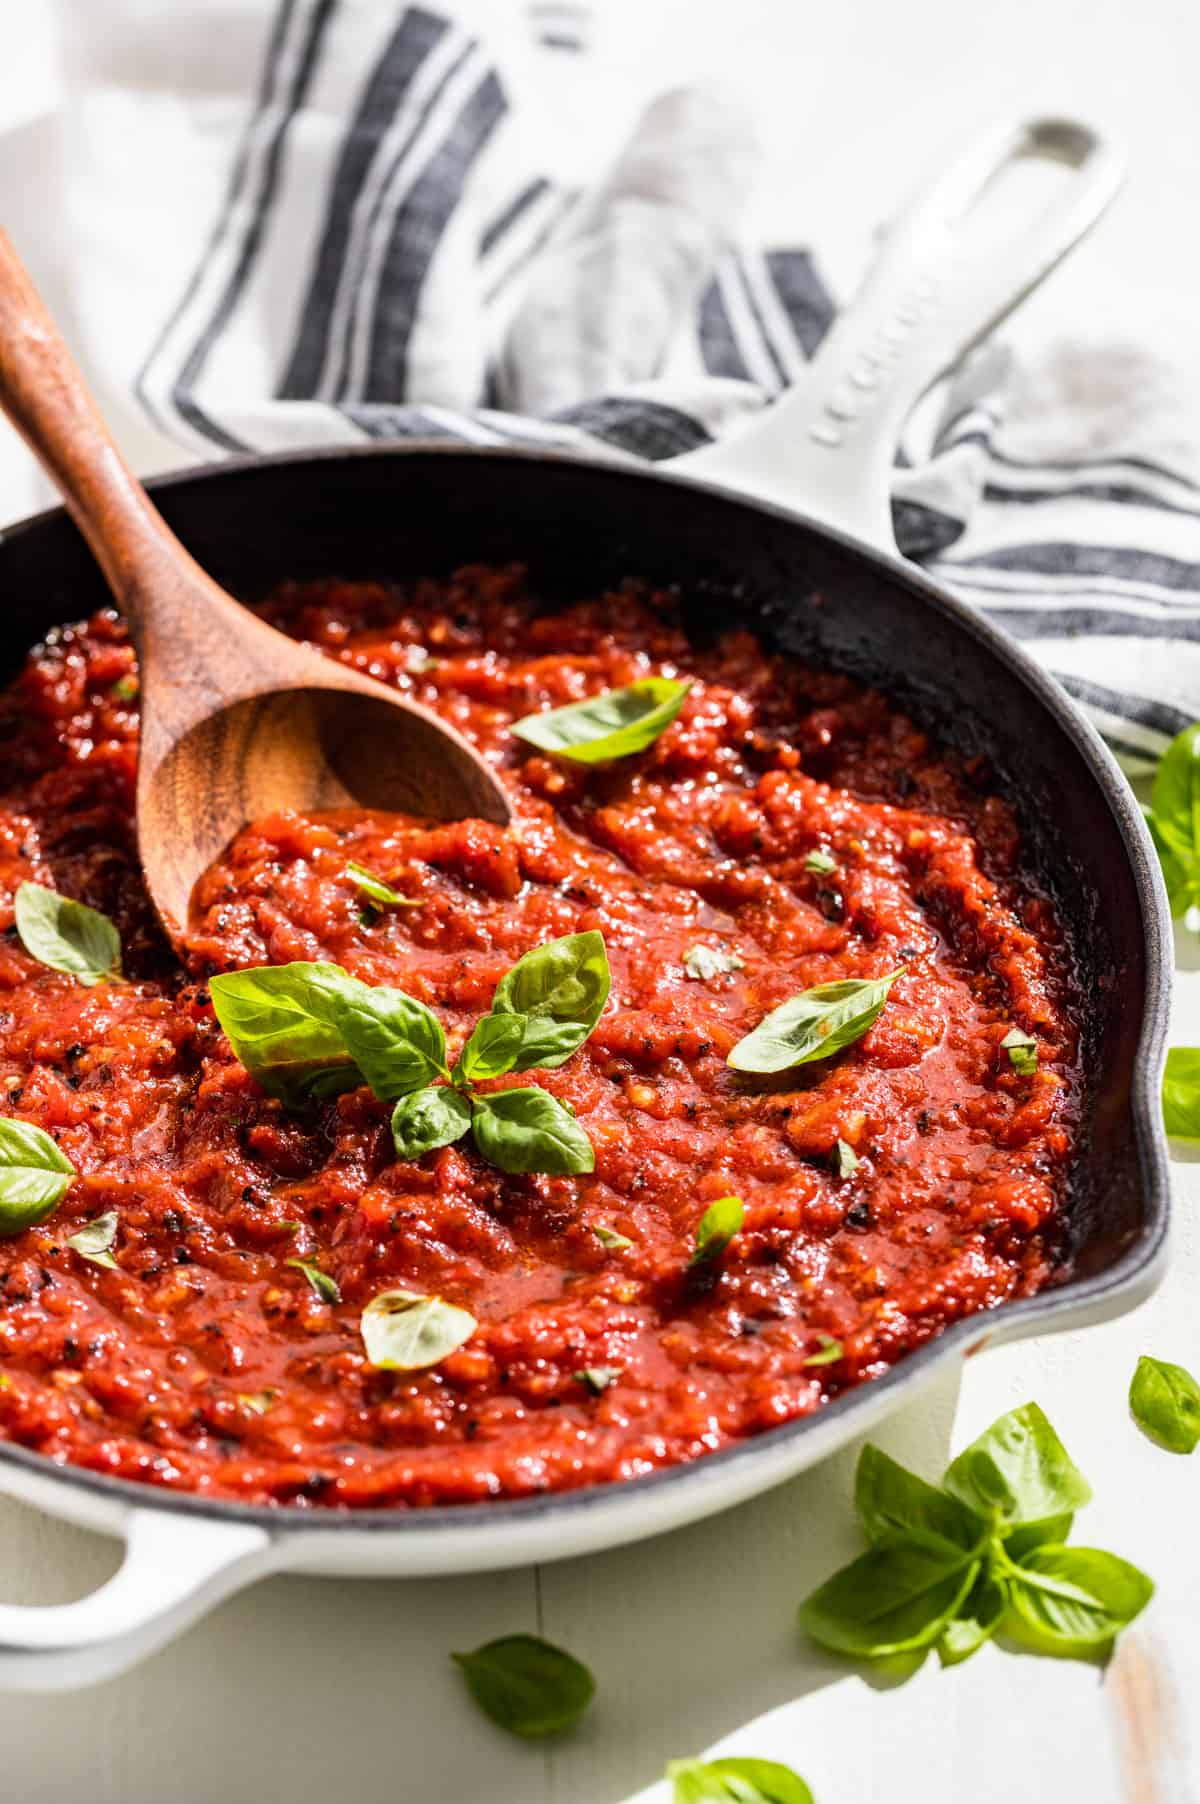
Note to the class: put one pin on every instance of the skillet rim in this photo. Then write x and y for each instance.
(1138, 1266)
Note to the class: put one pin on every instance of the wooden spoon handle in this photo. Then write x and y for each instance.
(46, 399)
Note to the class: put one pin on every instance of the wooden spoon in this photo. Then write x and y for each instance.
(237, 720)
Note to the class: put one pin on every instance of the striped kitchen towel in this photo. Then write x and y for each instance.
(350, 220)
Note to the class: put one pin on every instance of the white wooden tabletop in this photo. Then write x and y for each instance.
(321, 1689)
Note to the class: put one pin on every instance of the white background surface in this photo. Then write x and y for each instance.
(322, 1690)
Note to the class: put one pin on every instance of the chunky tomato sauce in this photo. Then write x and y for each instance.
(205, 1362)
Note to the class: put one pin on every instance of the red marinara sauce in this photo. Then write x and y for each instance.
(206, 1363)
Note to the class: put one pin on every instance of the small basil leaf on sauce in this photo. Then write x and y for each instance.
(427, 1119)
(1022, 1051)
(1174, 820)
(66, 935)
(820, 863)
(492, 1048)
(1181, 1093)
(976, 1622)
(736, 1780)
(283, 1023)
(597, 1379)
(716, 1228)
(610, 1239)
(828, 1354)
(612, 725)
(527, 1685)
(1072, 1601)
(894, 1505)
(322, 1284)
(35, 1175)
(1017, 1471)
(813, 1025)
(560, 989)
(530, 1130)
(395, 1041)
(1165, 1402)
(845, 1159)
(405, 1331)
(705, 962)
(374, 890)
(890, 1600)
(94, 1240)
(258, 1402)
(124, 689)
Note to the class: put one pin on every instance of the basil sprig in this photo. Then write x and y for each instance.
(527, 1685)
(738, 1779)
(35, 1175)
(950, 1565)
(1181, 1093)
(813, 1025)
(1164, 1400)
(405, 1331)
(1174, 821)
(67, 935)
(307, 1031)
(94, 1240)
(612, 725)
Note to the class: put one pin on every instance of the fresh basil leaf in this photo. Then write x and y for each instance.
(322, 1284)
(560, 989)
(527, 1685)
(890, 1600)
(491, 1050)
(395, 1041)
(813, 1025)
(35, 1175)
(1071, 1601)
(1022, 1050)
(736, 1780)
(95, 1238)
(1174, 818)
(895, 1506)
(820, 863)
(1181, 1093)
(612, 725)
(404, 1331)
(258, 1402)
(427, 1119)
(530, 1130)
(1165, 1402)
(976, 1622)
(610, 1239)
(1017, 1471)
(716, 1228)
(124, 689)
(830, 1352)
(597, 1379)
(68, 936)
(284, 1025)
(374, 890)
(845, 1159)
(704, 962)
(1036, 1534)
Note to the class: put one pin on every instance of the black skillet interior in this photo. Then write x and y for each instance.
(400, 513)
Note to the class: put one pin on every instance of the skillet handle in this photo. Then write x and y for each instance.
(176, 1567)
(948, 272)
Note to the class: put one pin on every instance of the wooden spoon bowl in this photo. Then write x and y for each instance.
(238, 720)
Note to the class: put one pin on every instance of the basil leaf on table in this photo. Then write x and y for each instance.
(560, 990)
(492, 1048)
(405, 1331)
(320, 1282)
(813, 1025)
(1181, 1093)
(976, 1620)
(530, 1131)
(612, 725)
(1017, 1471)
(891, 1600)
(527, 1685)
(736, 1780)
(35, 1175)
(284, 1025)
(395, 1041)
(1174, 819)
(1165, 1402)
(716, 1228)
(66, 935)
(427, 1119)
(374, 890)
(94, 1240)
(893, 1505)
(1072, 1601)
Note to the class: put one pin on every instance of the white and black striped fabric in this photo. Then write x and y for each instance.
(390, 259)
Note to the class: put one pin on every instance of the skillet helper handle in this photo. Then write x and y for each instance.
(176, 1567)
(948, 272)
